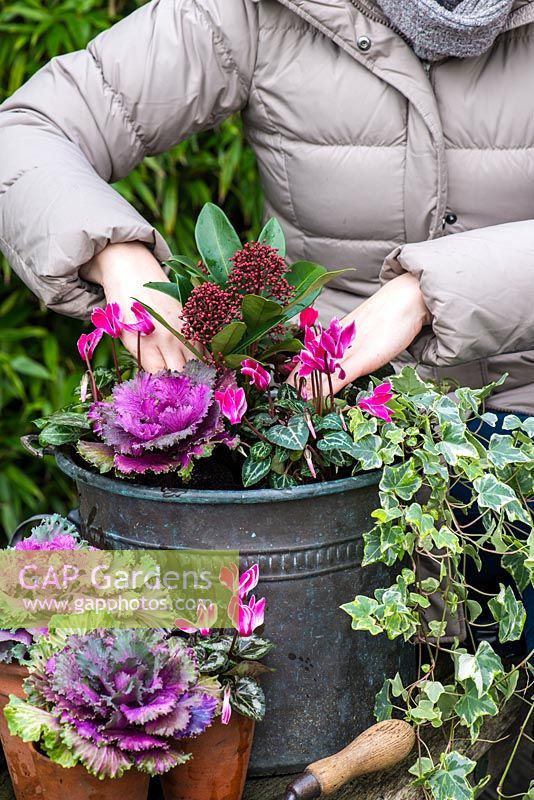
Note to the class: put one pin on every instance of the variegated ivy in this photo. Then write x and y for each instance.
(425, 450)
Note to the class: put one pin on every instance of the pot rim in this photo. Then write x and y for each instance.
(213, 496)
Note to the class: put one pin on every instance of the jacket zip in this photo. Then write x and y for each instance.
(376, 16)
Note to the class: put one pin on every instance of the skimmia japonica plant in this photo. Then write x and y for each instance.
(248, 318)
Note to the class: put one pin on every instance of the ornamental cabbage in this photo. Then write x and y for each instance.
(112, 700)
(160, 422)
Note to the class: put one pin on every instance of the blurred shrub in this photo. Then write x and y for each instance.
(38, 361)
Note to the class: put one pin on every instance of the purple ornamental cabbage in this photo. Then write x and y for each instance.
(117, 699)
(54, 532)
(159, 422)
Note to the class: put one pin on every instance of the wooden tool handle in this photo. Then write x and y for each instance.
(378, 748)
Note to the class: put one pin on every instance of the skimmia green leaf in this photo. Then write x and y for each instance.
(273, 235)
(217, 242)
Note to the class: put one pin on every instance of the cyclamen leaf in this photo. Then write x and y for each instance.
(293, 436)
(248, 699)
(217, 242)
(509, 612)
(281, 481)
(254, 471)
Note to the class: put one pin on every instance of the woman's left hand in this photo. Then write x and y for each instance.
(386, 324)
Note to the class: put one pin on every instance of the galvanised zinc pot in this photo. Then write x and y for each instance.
(308, 543)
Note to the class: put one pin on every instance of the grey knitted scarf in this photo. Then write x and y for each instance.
(441, 28)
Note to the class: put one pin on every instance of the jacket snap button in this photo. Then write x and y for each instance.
(364, 43)
(450, 218)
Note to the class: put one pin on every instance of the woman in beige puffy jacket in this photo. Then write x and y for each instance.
(394, 136)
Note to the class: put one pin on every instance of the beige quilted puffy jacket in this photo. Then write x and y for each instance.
(361, 147)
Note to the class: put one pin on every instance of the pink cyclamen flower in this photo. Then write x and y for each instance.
(249, 580)
(233, 403)
(144, 324)
(324, 349)
(251, 616)
(376, 404)
(229, 577)
(226, 713)
(259, 377)
(206, 619)
(87, 343)
(308, 317)
(108, 319)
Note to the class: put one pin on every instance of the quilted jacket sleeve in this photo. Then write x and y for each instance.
(479, 288)
(170, 69)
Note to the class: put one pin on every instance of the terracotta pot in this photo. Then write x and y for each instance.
(19, 754)
(218, 769)
(77, 784)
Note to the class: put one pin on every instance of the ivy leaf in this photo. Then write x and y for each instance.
(509, 612)
(383, 707)
(501, 452)
(254, 471)
(273, 235)
(515, 564)
(471, 708)
(361, 610)
(492, 493)
(482, 667)
(366, 452)
(217, 242)
(454, 443)
(450, 781)
(402, 480)
(293, 436)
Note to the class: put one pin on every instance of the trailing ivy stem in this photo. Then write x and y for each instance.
(116, 361)
(514, 751)
(94, 390)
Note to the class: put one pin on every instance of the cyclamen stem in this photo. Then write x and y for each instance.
(255, 430)
(139, 365)
(234, 640)
(94, 390)
(116, 361)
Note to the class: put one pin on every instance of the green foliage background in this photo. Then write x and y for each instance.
(38, 361)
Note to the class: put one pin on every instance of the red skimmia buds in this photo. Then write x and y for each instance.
(376, 403)
(87, 343)
(144, 324)
(233, 403)
(108, 319)
(259, 377)
(308, 317)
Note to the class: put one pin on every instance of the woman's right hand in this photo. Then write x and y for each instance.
(122, 270)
